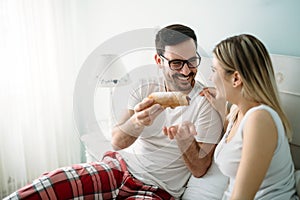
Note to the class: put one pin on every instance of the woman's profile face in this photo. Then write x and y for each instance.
(218, 78)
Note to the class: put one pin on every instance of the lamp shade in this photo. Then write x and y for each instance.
(114, 73)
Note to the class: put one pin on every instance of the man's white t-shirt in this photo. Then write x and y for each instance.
(154, 158)
(211, 186)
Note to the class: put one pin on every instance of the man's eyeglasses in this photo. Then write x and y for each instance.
(178, 64)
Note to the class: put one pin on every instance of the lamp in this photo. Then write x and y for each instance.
(113, 75)
(114, 71)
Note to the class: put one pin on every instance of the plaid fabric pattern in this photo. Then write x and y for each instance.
(108, 179)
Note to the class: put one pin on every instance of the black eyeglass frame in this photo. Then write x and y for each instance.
(183, 62)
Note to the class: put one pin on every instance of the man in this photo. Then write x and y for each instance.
(147, 164)
(150, 156)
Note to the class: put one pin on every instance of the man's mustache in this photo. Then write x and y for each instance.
(191, 74)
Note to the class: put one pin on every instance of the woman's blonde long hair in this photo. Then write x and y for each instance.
(247, 55)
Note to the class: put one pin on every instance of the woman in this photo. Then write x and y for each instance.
(254, 152)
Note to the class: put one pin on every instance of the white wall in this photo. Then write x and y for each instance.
(275, 22)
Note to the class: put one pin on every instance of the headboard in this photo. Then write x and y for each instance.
(287, 70)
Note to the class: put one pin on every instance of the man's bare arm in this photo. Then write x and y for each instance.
(126, 132)
(197, 156)
(131, 126)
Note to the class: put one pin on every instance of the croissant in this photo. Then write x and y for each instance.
(170, 99)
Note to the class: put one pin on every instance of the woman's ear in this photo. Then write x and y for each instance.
(236, 79)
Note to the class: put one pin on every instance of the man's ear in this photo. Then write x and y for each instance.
(158, 60)
(236, 79)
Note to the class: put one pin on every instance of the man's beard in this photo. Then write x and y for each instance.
(183, 86)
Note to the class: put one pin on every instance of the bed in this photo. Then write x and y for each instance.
(286, 68)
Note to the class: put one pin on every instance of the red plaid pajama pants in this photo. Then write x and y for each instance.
(108, 179)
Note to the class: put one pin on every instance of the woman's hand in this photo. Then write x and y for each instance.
(217, 101)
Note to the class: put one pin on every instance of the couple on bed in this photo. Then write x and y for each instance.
(182, 153)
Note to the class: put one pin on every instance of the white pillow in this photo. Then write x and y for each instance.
(210, 186)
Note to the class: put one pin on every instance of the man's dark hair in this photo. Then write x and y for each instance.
(172, 35)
